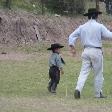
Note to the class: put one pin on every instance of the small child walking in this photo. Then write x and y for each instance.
(56, 67)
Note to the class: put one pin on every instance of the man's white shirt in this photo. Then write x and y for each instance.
(91, 34)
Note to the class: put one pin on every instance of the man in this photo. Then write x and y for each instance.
(91, 35)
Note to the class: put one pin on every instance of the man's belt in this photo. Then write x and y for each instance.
(89, 46)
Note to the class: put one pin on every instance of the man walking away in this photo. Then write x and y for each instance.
(91, 35)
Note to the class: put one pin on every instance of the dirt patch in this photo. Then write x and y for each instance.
(17, 28)
(48, 105)
(19, 56)
(15, 56)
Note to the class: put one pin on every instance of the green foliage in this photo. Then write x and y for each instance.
(70, 6)
(7, 4)
(55, 6)
(22, 4)
(79, 6)
(27, 5)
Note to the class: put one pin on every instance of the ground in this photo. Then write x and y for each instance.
(24, 65)
(24, 78)
(51, 104)
(22, 28)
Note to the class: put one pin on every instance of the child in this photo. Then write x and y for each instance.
(56, 67)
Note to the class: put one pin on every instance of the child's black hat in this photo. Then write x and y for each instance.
(55, 46)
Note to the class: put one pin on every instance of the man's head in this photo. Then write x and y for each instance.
(92, 13)
(55, 47)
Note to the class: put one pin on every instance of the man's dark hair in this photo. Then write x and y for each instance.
(93, 16)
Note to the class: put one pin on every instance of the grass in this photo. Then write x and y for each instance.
(23, 85)
(24, 5)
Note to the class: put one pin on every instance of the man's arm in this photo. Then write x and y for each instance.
(106, 33)
(72, 40)
(72, 50)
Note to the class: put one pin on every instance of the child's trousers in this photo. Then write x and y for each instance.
(54, 75)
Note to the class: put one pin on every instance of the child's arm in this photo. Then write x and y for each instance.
(59, 64)
(61, 71)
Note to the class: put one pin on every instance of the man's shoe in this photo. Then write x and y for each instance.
(102, 96)
(77, 94)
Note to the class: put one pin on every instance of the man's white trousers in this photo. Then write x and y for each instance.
(92, 58)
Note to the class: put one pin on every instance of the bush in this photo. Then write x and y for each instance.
(71, 6)
(55, 6)
(79, 6)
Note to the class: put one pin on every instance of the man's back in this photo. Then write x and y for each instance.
(91, 34)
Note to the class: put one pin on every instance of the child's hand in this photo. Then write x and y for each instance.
(62, 72)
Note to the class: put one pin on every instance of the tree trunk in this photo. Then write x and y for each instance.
(97, 5)
(8, 4)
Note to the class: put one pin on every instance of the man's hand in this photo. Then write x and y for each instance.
(72, 50)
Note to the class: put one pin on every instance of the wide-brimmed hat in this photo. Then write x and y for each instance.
(55, 46)
(92, 11)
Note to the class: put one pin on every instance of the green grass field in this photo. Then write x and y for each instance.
(24, 79)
